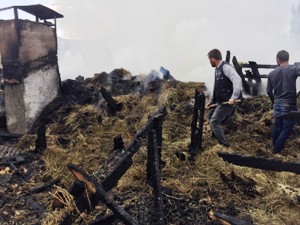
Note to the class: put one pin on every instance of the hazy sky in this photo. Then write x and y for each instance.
(141, 35)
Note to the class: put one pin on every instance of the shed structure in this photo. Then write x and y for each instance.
(30, 67)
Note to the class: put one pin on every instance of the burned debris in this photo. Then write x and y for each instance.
(260, 162)
(102, 181)
(122, 159)
(112, 105)
(251, 79)
(197, 124)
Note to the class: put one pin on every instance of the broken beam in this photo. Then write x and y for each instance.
(230, 219)
(154, 177)
(111, 103)
(260, 66)
(260, 162)
(106, 197)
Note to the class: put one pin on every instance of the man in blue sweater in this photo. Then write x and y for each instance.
(281, 89)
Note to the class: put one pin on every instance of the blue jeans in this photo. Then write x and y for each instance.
(282, 128)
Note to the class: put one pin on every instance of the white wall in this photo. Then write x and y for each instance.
(40, 88)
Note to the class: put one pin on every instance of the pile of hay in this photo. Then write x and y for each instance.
(190, 189)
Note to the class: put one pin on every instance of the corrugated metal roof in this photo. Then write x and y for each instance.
(40, 11)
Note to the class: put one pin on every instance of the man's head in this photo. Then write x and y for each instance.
(282, 57)
(214, 57)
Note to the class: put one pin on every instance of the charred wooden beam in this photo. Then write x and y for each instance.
(197, 123)
(117, 166)
(201, 119)
(227, 57)
(259, 66)
(105, 220)
(239, 70)
(112, 105)
(154, 176)
(230, 219)
(107, 198)
(118, 143)
(41, 142)
(43, 187)
(255, 72)
(194, 129)
(249, 76)
(260, 162)
(142, 133)
(158, 127)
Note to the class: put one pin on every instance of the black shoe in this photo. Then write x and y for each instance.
(276, 151)
(225, 145)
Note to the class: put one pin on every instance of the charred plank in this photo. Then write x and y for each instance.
(197, 124)
(112, 105)
(154, 176)
(41, 142)
(106, 197)
(117, 166)
(259, 66)
(239, 70)
(260, 162)
(43, 187)
(230, 219)
(227, 57)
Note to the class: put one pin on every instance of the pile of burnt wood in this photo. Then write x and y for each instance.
(100, 184)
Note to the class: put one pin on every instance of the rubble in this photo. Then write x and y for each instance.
(191, 191)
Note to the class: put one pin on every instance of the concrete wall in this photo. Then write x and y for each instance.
(36, 41)
(9, 44)
(15, 108)
(28, 51)
(40, 88)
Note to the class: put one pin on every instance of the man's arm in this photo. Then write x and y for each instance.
(236, 80)
(297, 68)
(270, 90)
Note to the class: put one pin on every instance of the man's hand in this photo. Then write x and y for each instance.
(231, 101)
(210, 105)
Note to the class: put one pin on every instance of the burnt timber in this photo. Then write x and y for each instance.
(102, 181)
(112, 105)
(260, 162)
(197, 124)
(251, 79)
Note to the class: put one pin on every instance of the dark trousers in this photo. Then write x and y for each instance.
(216, 116)
(282, 128)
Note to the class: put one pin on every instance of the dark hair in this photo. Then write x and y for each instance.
(283, 56)
(215, 53)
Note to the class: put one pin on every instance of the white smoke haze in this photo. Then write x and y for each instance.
(142, 35)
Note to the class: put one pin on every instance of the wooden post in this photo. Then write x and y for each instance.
(197, 129)
(240, 72)
(16, 13)
(154, 176)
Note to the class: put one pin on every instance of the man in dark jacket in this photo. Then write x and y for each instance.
(227, 88)
(281, 89)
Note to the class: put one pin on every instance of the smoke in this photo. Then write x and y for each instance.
(295, 22)
(140, 36)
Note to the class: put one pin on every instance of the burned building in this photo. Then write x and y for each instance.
(29, 60)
